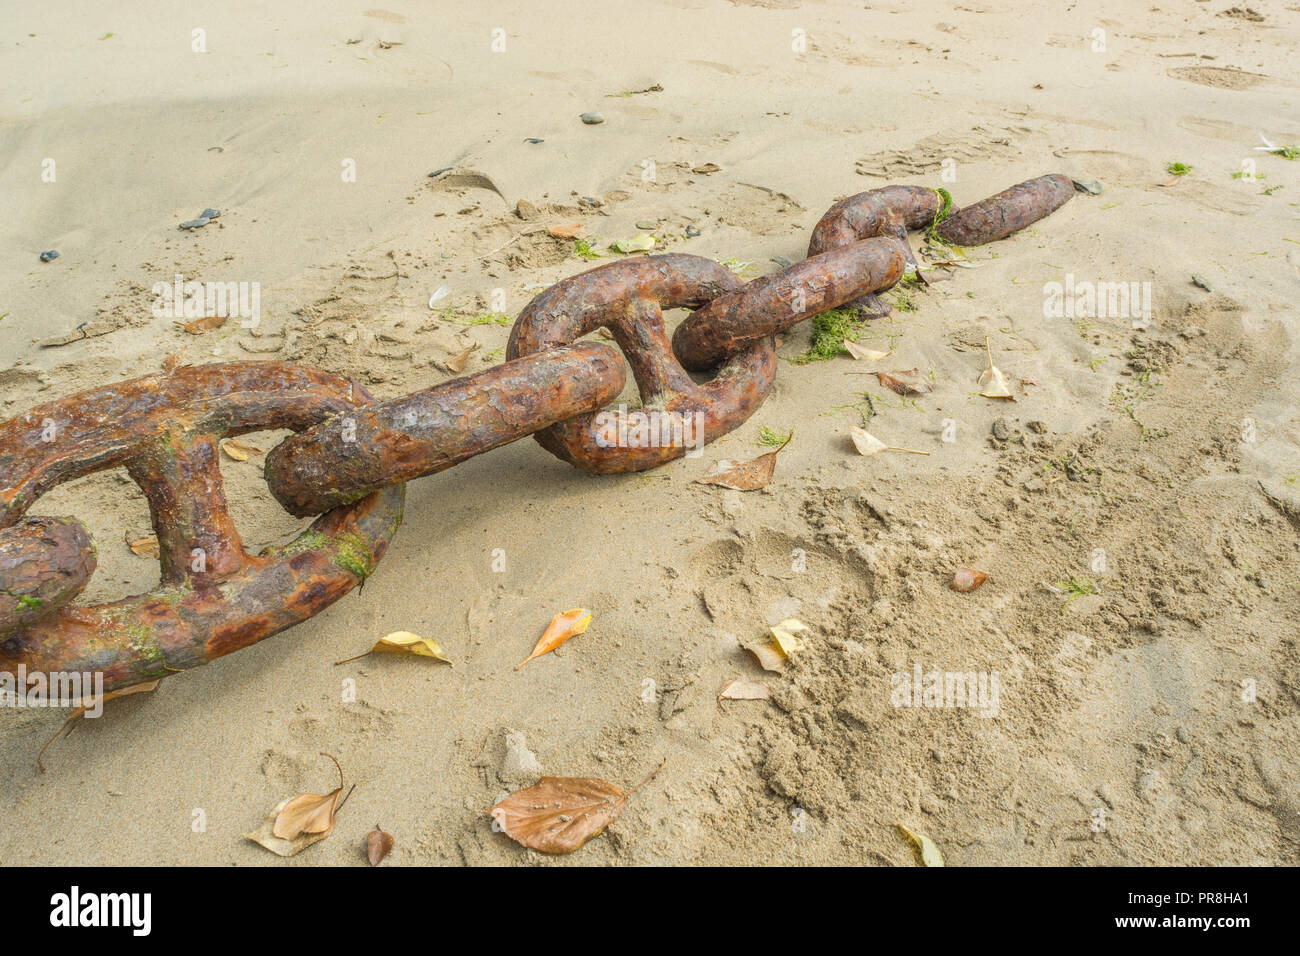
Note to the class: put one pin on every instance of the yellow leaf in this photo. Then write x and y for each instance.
(785, 636)
(404, 642)
(563, 626)
(930, 855)
(239, 451)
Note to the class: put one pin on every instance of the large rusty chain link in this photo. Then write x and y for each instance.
(351, 456)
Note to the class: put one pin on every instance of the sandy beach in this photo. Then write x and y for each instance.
(1137, 506)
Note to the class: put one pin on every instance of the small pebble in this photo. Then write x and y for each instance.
(1091, 187)
(195, 223)
(691, 232)
(647, 224)
(591, 201)
(49, 254)
(592, 119)
(1200, 283)
(525, 210)
(210, 213)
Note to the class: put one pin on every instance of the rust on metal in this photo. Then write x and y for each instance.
(627, 298)
(773, 303)
(433, 429)
(893, 210)
(44, 564)
(1009, 211)
(213, 597)
(352, 456)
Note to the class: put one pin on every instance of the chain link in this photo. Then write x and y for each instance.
(352, 455)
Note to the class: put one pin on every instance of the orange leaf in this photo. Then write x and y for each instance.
(563, 626)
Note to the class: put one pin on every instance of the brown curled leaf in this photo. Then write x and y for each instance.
(378, 845)
(967, 579)
(905, 382)
(458, 361)
(298, 822)
(240, 451)
(744, 475)
(706, 168)
(560, 814)
(563, 626)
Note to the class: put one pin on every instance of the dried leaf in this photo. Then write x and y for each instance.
(858, 352)
(146, 547)
(744, 690)
(570, 230)
(560, 814)
(768, 655)
(772, 653)
(300, 821)
(786, 636)
(563, 626)
(403, 642)
(239, 450)
(744, 475)
(930, 855)
(79, 708)
(205, 324)
(172, 362)
(378, 845)
(905, 382)
(967, 579)
(707, 168)
(458, 361)
(993, 382)
(868, 444)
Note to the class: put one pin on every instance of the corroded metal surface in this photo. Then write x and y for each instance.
(351, 455)
(1009, 211)
(44, 564)
(894, 210)
(773, 303)
(627, 298)
(213, 597)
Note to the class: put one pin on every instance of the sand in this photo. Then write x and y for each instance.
(1153, 721)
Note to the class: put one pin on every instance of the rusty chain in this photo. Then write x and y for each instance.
(351, 456)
